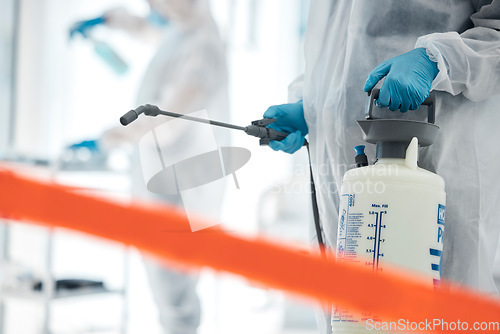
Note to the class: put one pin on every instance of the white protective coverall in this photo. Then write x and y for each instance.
(188, 73)
(345, 40)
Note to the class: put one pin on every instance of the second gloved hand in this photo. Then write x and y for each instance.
(91, 145)
(289, 118)
(408, 80)
(83, 27)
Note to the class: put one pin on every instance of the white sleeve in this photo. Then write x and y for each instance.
(295, 89)
(469, 63)
(136, 26)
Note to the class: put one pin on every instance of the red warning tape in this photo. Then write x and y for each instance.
(164, 232)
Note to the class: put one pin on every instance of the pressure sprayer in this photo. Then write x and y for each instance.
(391, 212)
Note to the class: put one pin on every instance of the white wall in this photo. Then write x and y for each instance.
(7, 26)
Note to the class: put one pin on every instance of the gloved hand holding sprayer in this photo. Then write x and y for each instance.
(115, 18)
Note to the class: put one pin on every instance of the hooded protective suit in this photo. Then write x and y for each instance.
(187, 73)
(345, 40)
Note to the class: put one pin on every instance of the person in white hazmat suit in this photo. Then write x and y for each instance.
(451, 47)
(188, 73)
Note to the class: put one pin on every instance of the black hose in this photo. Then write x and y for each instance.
(317, 223)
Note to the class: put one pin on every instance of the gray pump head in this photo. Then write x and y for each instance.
(393, 136)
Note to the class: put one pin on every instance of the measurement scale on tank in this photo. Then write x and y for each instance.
(377, 236)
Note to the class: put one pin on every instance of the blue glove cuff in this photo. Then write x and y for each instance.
(83, 27)
(98, 20)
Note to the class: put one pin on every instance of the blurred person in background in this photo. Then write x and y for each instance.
(188, 73)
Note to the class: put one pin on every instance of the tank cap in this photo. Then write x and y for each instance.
(361, 158)
(360, 149)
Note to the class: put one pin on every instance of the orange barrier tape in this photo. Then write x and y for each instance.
(164, 232)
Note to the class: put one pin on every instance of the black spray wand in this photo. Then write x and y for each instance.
(257, 128)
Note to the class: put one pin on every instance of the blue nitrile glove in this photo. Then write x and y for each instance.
(289, 118)
(408, 80)
(91, 145)
(83, 27)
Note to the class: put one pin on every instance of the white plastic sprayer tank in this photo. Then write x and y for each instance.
(390, 212)
(400, 203)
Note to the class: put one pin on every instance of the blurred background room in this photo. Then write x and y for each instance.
(60, 93)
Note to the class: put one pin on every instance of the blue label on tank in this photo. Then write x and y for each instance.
(436, 253)
(440, 223)
(441, 211)
(436, 266)
(351, 199)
